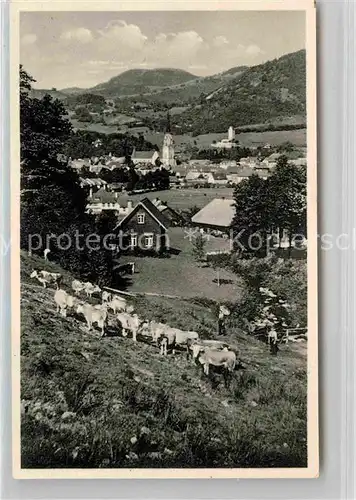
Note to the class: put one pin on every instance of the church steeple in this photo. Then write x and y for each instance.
(168, 125)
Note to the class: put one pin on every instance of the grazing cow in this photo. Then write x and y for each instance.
(77, 286)
(154, 329)
(196, 346)
(93, 315)
(90, 289)
(129, 323)
(106, 296)
(47, 278)
(117, 304)
(225, 359)
(63, 301)
(175, 337)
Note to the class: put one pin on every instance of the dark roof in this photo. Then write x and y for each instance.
(219, 176)
(103, 196)
(151, 209)
(143, 155)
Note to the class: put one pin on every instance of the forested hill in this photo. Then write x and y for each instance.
(137, 81)
(269, 92)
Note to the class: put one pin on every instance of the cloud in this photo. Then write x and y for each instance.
(220, 41)
(254, 50)
(29, 39)
(99, 54)
(125, 36)
(82, 35)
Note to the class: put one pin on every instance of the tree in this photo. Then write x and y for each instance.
(53, 205)
(250, 223)
(198, 249)
(287, 198)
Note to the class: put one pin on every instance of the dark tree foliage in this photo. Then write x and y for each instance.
(83, 144)
(264, 207)
(52, 201)
(250, 223)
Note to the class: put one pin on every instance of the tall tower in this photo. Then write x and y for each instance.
(231, 134)
(168, 146)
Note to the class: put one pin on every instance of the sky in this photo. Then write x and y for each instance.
(82, 49)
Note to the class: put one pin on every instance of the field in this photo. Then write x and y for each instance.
(109, 403)
(247, 139)
(181, 275)
(182, 199)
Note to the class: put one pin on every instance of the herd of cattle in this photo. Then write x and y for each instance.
(207, 353)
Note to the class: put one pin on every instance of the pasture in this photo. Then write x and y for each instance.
(91, 402)
(183, 199)
(180, 274)
(247, 139)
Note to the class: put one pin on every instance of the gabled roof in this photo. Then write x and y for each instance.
(143, 155)
(245, 172)
(219, 212)
(151, 209)
(103, 196)
(85, 181)
(219, 176)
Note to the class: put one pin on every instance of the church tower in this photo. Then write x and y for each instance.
(168, 147)
(231, 134)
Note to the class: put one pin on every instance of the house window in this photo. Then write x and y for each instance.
(141, 218)
(148, 240)
(133, 240)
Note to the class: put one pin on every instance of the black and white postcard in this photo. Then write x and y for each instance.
(164, 268)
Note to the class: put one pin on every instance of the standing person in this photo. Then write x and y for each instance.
(223, 312)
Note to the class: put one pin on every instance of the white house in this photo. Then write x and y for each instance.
(105, 200)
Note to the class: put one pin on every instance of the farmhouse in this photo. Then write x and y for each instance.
(240, 175)
(92, 184)
(107, 200)
(144, 228)
(169, 213)
(218, 214)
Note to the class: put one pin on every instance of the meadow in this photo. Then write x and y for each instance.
(203, 141)
(183, 199)
(180, 274)
(88, 402)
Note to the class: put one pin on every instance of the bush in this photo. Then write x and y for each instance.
(287, 279)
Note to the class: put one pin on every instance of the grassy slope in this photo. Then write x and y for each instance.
(180, 274)
(87, 397)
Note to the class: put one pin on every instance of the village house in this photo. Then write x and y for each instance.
(216, 178)
(250, 161)
(92, 185)
(144, 157)
(144, 229)
(79, 163)
(107, 200)
(114, 163)
(225, 164)
(96, 169)
(216, 215)
(243, 173)
(170, 214)
(299, 162)
(270, 161)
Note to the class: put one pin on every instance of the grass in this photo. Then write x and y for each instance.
(203, 141)
(183, 199)
(180, 274)
(110, 403)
